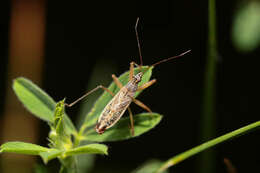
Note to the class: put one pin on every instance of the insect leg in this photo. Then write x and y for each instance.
(146, 85)
(131, 71)
(117, 82)
(91, 91)
(142, 105)
(131, 121)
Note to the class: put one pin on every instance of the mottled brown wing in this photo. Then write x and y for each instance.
(115, 108)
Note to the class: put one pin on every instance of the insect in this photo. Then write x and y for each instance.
(114, 110)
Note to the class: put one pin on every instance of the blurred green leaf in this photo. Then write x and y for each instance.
(85, 162)
(38, 168)
(245, 31)
(38, 102)
(88, 149)
(103, 100)
(121, 131)
(49, 155)
(150, 166)
(23, 148)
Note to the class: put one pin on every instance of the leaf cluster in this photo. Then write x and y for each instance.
(65, 141)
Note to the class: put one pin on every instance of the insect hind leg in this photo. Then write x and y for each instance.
(131, 121)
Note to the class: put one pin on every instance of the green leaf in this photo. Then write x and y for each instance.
(70, 128)
(150, 166)
(245, 30)
(88, 149)
(59, 138)
(38, 102)
(31, 149)
(34, 99)
(22, 148)
(58, 113)
(49, 155)
(185, 155)
(142, 123)
(103, 100)
(59, 118)
(85, 162)
(38, 168)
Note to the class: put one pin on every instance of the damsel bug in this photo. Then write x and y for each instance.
(114, 110)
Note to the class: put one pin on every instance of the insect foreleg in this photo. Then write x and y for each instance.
(91, 91)
(131, 70)
(146, 85)
(117, 82)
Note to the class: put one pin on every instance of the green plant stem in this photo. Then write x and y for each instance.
(208, 122)
(77, 139)
(68, 165)
(181, 157)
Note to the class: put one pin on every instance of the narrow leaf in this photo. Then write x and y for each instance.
(37, 101)
(183, 156)
(103, 100)
(22, 148)
(142, 123)
(88, 149)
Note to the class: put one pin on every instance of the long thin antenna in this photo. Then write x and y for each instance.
(167, 59)
(138, 43)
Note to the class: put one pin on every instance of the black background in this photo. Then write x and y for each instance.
(79, 33)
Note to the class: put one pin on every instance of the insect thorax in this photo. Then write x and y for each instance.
(132, 85)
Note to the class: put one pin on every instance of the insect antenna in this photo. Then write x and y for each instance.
(167, 59)
(138, 44)
(140, 52)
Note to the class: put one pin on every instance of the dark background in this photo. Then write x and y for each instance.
(80, 33)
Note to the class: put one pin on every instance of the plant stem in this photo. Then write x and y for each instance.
(208, 122)
(181, 157)
(68, 165)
